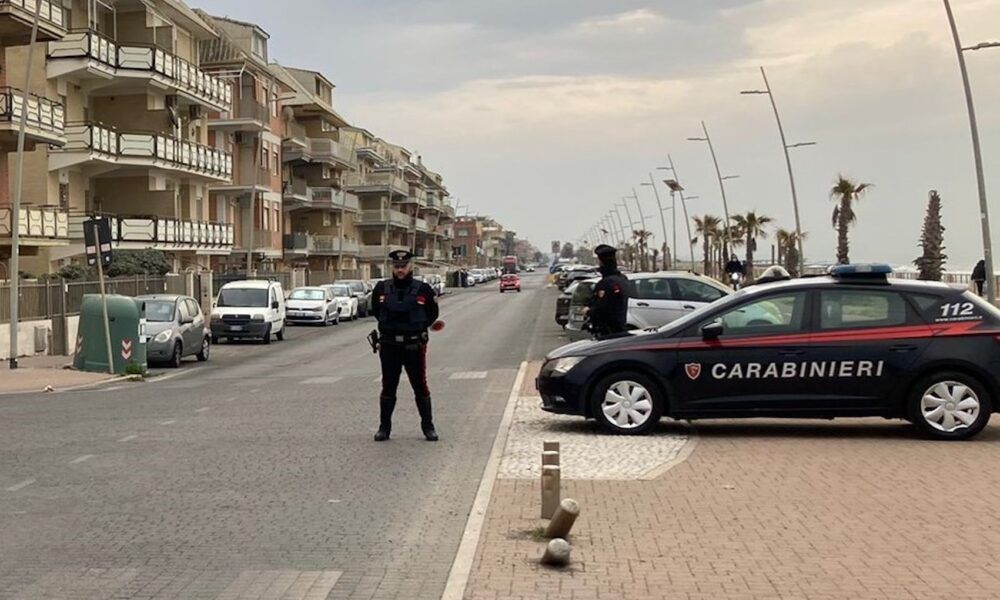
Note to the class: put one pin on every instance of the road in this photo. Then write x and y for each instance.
(256, 472)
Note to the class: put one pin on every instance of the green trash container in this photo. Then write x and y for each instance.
(126, 322)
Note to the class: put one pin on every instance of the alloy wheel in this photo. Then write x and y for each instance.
(949, 405)
(627, 404)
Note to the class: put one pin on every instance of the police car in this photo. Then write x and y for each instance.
(850, 344)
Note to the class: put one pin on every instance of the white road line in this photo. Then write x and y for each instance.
(128, 438)
(230, 399)
(320, 380)
(255, 390)
(203, 409)
(20, 486)
(170, 422)
(469, 375)
(80, 459)
(461, 568)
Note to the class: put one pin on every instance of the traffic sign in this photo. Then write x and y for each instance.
(97, 240)
(126, 349)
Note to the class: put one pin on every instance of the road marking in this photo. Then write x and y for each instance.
(320, 380)
(203, 409)
(20, 486)
(469, 375)
(80, 459)
(170, 422)
(461, 568)
(230, 399)
(255, 390)
(129, 438)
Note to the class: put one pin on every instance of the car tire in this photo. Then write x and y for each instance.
(215, 339)
(206, 348)
(281, 333)
(326, 320)
(175, 358)
(626, 403)
(267, 336)
(949, 405)
(336, 318)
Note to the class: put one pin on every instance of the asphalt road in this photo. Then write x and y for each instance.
(256, 472)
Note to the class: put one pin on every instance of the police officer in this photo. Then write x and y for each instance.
(608, 308)
(405, 308)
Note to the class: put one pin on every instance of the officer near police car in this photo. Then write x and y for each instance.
(405, 309)
(608, 308)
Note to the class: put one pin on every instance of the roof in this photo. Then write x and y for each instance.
(261, 284)
(161, 296)
(225, 48)
(303, 95)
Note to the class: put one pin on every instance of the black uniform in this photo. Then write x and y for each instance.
(404, 308)
(609, 304)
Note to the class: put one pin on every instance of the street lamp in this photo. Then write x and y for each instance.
(678, 189)
(984, 213)
(663, 225)
(788, 162)
(718, 173)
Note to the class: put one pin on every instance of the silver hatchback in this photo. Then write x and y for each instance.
(175, 327)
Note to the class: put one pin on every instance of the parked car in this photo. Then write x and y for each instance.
(345, 300)
(576, 273)
(176, 327)
(562, 305)
(312, 305)
(249, 309)
(437, 283)
(510, 281)
(362, 292)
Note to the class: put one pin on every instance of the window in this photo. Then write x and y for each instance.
(274, 104)
(845, 309)
(263, 154)
(781, 313)
(274, 162)
(654, 288)
(193, 308)
(687, 290)
(327, 172)
(183, 310)
(259, 47)
(325, 125)
(462, 233)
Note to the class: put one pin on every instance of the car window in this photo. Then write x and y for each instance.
(193, 308)
(583, 292)
(780, 313)
(688, 290)
(847, 309)
(653, 288)
(307, 295)
(159, 311)
(248, 297)
(183, 310)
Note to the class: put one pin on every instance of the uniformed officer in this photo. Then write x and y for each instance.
(608, 308)
(405, 308)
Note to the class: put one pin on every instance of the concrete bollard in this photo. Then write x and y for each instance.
(550, 490)
(550, 458)
(550, 446)
(563, 519)
(556, 553)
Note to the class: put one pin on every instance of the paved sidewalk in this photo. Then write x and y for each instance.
(767, 509)
(34, 373)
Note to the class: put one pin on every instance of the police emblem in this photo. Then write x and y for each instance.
(693, 370)
(600, 293)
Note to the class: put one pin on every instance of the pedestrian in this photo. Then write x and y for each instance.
(608, 308)
(405, 308)
(734, 268)
(979, 276)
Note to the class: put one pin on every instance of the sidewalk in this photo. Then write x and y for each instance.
(34, 373)
(761, 509)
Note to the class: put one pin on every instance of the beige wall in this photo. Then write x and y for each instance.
(131, 196)
(130, 113)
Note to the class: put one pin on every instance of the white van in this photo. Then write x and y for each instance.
(249, 309)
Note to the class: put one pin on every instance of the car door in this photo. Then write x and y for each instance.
(198, 324)
(754, 365)
(869, 339)
(184, 325)
(273, 313)
(650, 302)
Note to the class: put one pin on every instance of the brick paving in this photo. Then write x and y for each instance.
(768, 509)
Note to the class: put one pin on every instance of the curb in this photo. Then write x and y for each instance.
(72, 388)
(689, 447)
(461, 568)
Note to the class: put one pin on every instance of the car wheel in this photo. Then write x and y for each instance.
(281, 333)
(949, 405)
(175, 358)
(267, 335)
(326, 320)
(336, 318)
(215, 339)
(206, 347)
(626, 403)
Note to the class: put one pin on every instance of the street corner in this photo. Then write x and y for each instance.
(44, 376)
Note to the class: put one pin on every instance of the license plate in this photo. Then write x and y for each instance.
(235, 328)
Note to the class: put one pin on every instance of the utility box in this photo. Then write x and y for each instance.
(128, 343)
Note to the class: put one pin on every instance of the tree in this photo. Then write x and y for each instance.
(138, 262)
(788, 250)
(642, 237)
(930, 263)
(707, 227)
(751, 226)
(845, 193)
(567, 251)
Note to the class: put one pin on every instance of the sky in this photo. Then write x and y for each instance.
(544, 113)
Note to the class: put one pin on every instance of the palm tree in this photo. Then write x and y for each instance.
(641, 237)
(751, 225)
(845, 193)
(707, 227)
(781, 237)
(788, 250)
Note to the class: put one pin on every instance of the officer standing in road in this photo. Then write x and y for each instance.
(405, 308)
(608, 309)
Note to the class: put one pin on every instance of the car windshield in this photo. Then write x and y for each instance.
(160, 311)
(341, 291)
(307, 295)
(243, 297)
(356, 286)
(699, 313)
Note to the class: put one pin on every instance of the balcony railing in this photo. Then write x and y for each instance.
(378, 251)
(319, 150)
(49, 12)
(155, 147)
(335, 198)
(180, 73)
(163, 232)
(263, 239)
(378, 180)
(394, 217)
(42, 113)
(421, 225)
(245, 109)
(40, 222)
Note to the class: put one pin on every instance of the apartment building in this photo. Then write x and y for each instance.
(480, 242)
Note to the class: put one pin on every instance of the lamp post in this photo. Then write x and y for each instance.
(663, 224)
(984, 213)
(679, 190)
(621, 224)
(718, 174)
(788, 162)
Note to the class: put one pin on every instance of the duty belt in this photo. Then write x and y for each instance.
(405, 338)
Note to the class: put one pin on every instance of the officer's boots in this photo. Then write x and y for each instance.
(426, 422)
(386, 405)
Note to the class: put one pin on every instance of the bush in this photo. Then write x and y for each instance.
(134, 368)
(73, 272)
(138, 262)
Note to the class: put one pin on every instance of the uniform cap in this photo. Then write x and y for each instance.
(605, 250)
(400, 257)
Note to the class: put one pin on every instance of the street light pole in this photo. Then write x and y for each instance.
(663, 223)
(15, 215)
(718, 174)
(621, 225)
(680, 191)
(984, 212)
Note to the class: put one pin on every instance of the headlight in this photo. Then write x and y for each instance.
(163, 336)
(216, 318)
(257, 318)
(563, 365)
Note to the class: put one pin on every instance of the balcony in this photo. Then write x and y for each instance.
(421, 225)
(417, 196)
(246, 114)
(44, 124)
(378, 251)
(308, 244)
(295, 136)
(297, 194)
(333, 198)
(17, 16)
(382, 217)
(108, 149)
(110, 68)
(37, 226)
(265, 242)
(162, 233)
(319, 150)
(377, 182)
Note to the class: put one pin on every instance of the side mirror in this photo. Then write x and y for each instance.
(712, 331)
(275, 305)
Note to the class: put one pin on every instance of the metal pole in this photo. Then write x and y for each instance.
(15, 215)
(253, 192)
(673, 217)
(722, 187)
(104, 299)
(687, 221)
(340, 237)
(621, 224)
(984, 213)
(642, 227)
(791, 175)
(663, 223)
